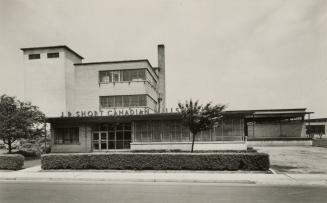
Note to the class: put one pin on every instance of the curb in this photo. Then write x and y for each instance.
(129, 180)
(284, 182)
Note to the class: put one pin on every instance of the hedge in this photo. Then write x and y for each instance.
(11, 161)
(157, 161)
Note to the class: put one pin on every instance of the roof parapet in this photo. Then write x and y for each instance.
(54, 47)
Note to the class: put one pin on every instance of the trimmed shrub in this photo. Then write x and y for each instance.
(11, 161)
(157, 161)
(33, 148)
(2, 145)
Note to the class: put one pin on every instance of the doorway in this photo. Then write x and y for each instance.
(112, 137)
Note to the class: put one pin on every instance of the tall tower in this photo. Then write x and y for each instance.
(161, 72)
(49, 78)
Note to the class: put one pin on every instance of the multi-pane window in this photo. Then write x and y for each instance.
(105, 77)
(34, 56)
(231, 129)
(112, 136)
(122, 75)
(123, 101)
(66, 135)
(161, 131)
(53, 55)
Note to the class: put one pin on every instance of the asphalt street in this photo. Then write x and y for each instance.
(24, 191)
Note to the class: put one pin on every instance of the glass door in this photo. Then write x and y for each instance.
(112, 137)
(96, 145)
(100, 141)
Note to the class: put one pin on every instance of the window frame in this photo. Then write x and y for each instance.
(127, 101)
(67, 135)
(53, 55)
(125, 75)
(34, 56)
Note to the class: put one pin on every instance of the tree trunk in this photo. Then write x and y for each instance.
(9, 146)
(193, 139)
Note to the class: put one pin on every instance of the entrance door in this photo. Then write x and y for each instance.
(96, 139)
(112, 136)
(100, 140)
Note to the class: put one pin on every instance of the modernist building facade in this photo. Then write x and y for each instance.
(56, 75)
(121, 105)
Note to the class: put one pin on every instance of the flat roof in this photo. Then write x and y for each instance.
(53, 47)
(276, 110)
(119, 61)
(122, 118)
(316, 120)
(258, 114)
(127, 118)
(293, 109)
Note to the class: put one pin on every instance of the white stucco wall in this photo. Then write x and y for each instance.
(44, 81)
(57, 85)
(70, 60)
(48, 82)
(88, 90)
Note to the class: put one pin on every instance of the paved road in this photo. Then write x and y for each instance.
(15, 191)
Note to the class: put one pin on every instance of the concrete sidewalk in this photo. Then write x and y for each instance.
(36, 174)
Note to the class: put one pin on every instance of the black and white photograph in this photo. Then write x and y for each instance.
(163, 101)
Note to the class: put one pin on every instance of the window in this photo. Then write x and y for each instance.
(134, 101)
(142, 100)
(126, 102)
(66, 135)
(53, 55)
(116, 76)
(105, 76)
(315, 129)
(118, 101)
(123, 101)
(111, 101)
(34, 56)
(161, 131)
(122, 76)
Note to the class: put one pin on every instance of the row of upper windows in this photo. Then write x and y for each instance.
(121, 75)
(111, 76)
(38, 56)
(123, 101)
(126, 101)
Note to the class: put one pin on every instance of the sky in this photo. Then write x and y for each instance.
(248, 54)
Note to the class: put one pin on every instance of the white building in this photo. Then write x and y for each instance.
(112, 105)
(58, 82)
